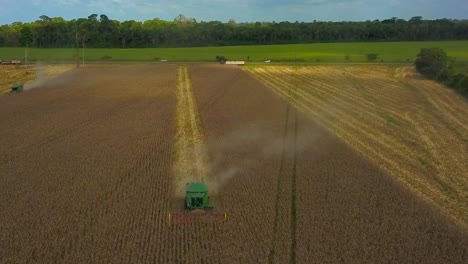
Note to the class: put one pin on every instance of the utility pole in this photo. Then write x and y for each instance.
(77, 49)
(26, 55)
(83, 46)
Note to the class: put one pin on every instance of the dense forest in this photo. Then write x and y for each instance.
(102, 32)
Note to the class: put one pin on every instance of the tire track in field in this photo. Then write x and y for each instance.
(293, 194)
(286, 176)
(191, 156)
(281, 175)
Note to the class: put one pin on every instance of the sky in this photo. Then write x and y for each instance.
(239, 10)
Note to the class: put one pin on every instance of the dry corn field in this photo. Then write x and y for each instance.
(314, 164)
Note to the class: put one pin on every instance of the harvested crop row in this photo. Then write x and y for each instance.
(409, 128)
(369, 121)
(189, 242)
(191, 163)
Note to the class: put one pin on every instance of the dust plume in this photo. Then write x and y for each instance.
(50, 76)
(260, 141)
(229, 157)
(41, 77)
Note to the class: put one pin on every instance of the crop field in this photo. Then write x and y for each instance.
(93, 160)
(413, 129)
(10, 74)
(395, 52)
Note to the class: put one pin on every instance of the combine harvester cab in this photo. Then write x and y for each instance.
(197, 207)
(196, 197)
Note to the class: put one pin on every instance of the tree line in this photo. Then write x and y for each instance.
(434, 63)
(101, 32)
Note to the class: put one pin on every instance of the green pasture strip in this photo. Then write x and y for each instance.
(388, 52)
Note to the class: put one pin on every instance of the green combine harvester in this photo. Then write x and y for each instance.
(196, 196)
(17, 88)
(197, 207)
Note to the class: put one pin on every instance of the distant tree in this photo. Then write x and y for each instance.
(460, 83)
(125, 32)
(416, 20)
(221, 59)
(106, 32)
(433, 63)
(99, 31)
(93, 17)
(26, 36)
(152, 31)
(372, 56)
(45, 31)
(26, 39)
(183, 19)
(463, 86)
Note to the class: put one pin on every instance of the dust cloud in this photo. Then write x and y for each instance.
(60, 76)
(261, 142)
(229, 156)
(41, 77)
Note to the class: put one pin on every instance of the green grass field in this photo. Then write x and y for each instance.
(389, 52)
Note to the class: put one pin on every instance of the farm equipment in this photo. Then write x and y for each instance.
(197, 196)
(197, 207)
(17, 88)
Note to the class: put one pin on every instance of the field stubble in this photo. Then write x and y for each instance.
(412, 128)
